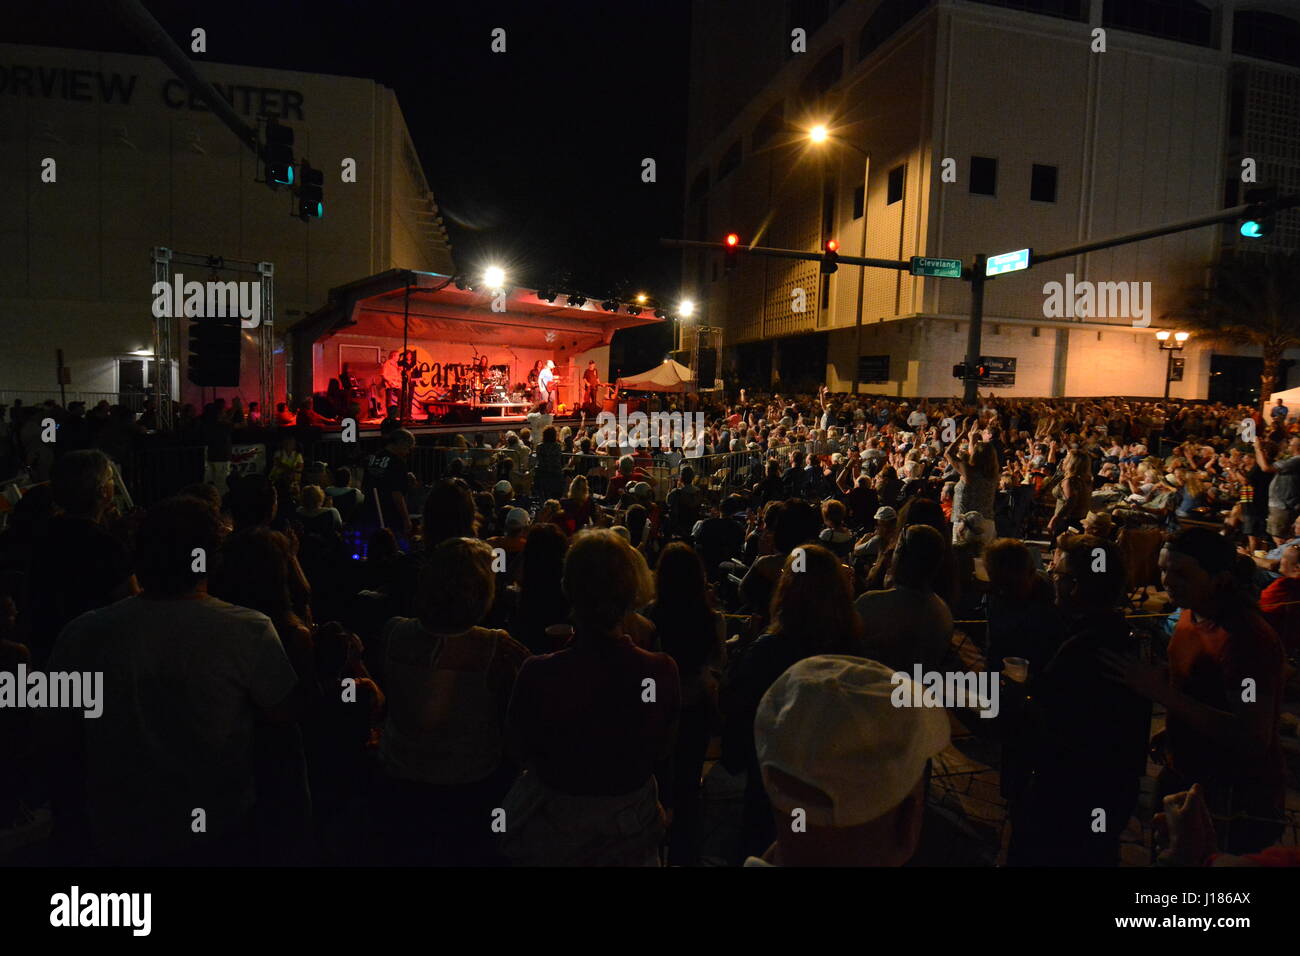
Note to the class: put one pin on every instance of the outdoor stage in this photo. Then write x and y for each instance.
(450, 359)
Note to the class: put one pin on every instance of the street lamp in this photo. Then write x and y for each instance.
(494, 277)
(1171, 343)
(819, 134)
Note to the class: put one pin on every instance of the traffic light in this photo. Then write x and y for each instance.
(215, 347)
(1260, 222)
(831, 258)
(311, 194)
(733, 251)
(978, 372)
(277, 154)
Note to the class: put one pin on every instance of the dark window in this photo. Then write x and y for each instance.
(826, 292)
(828, 212)
(897, 176)
(1066, 9)
(768, 126)
(1237, 111)
(1269, 36)
(730, 160)
(984, 176)
(823, 76)
(1230, 192)
(1042, 183)
(699, 186)
(1184, 20)
(888, 19)
(858, 193)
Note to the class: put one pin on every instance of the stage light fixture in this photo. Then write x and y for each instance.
(577, 301)
(660, 314)
(633, 310)
(546, 295)
(462, 283)
(609, 305)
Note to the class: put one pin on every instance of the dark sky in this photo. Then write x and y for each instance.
(534, 155)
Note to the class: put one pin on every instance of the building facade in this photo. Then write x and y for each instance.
(139, 163)
(959, 127)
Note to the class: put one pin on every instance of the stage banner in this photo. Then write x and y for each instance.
(247, 460)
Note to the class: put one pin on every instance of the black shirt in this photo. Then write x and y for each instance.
(384, 473)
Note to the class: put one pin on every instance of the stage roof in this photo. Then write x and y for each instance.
(439, 311)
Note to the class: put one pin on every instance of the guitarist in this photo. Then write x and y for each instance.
(591, 386)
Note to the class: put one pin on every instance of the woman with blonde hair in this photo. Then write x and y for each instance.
(977, 485)
(601, 695)
(578, 507)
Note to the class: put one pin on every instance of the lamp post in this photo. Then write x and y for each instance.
(819, 134)
(1170, 343)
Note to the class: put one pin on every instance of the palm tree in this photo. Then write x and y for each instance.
(1253, 298)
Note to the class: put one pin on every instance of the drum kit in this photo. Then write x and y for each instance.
(473, 383)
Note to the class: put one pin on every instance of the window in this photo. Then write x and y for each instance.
(983, 176)
(828, 212)
(858, 195)
(888, 19)
(1269, 36)
(1183, 20)
(897, 176)
(766, 128)
(826, 293)
(1042, 183)
(699, 186)
(1066, 9)
(730, 160)
(1230, 187)
(823, 76)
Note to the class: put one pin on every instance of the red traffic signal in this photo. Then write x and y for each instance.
(733, 250)
(830, 259)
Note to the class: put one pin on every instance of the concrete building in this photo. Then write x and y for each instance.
(138, 164)
(980, 126)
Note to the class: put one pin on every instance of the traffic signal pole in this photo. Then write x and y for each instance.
(976, 273)
(151, 33)
(975, 331)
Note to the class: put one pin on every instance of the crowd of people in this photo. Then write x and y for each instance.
(533, 656)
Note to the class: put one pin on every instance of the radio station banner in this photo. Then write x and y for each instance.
(247, 460)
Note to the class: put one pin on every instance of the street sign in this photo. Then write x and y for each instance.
(1007, 262)
(1001, 371)
(873, 369)
(940, 268)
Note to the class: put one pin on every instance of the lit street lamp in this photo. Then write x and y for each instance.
(1171, 343)
(819, 134)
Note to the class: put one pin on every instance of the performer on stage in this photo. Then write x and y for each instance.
(591, 386)
(392, 373)
(545, 378)
(533, 394)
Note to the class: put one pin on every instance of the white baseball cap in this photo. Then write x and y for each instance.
(830, 722)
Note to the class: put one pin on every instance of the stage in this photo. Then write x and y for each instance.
(452, 359)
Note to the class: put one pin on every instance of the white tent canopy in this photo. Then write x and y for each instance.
(669, 377)
(1290, 398)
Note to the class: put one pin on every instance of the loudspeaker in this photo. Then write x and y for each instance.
(708, 370)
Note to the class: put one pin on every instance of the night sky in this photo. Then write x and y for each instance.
(534, 155)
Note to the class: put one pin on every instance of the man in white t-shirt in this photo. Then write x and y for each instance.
(917, 420)
(185, 678)
(545, 381)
